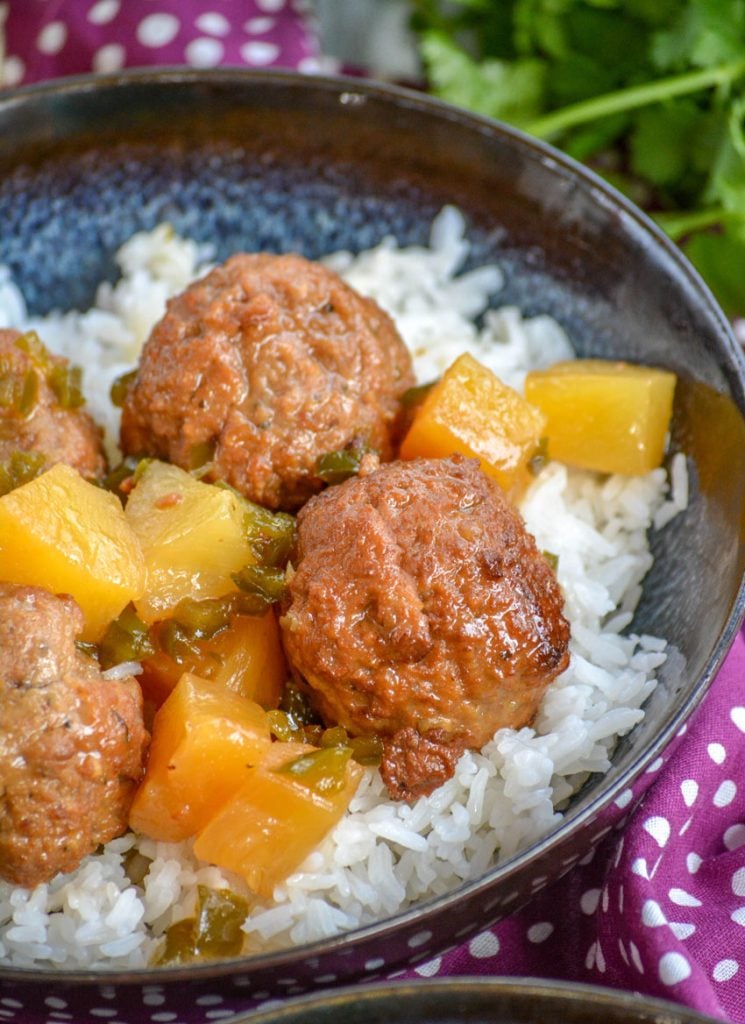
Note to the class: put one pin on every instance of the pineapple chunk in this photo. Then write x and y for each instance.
(602, 415)
(246, 657)
(204, 739)
(471, 412)
(250, 658)
(280, 814)
(193, 537)
(64, 534)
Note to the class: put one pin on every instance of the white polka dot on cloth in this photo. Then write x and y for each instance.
(725, 970)
(681, 898)
(103, 12)
(693, 862)
(689, 789)
(111, 57)
(738, 882)
(639, 867)
(540, 932)
(484, 945)
(429, 969)
(13, 70)
(204, 52)
(652, 914)
(658, 828)
(734, 837)
(213, 23)
(595, 958)
(158, 29)
(738, 717)
(270, 6)
(589, 900)
(259, 52)
(725, 794)
(673, 968)
(52, 38)
(258, 26)
(716, 752)
(738, 916)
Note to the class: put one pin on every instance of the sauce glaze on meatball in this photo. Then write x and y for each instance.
(47, 428)
(72, 744)
(266, 364)
(420, 609)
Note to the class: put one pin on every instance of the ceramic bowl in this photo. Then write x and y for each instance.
(278, 161)
(476, 1001)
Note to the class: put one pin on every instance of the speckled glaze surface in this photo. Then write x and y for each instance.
(462, 1001)
(262, 160)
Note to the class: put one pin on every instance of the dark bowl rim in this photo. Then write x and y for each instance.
(524, 988)
(602, 193)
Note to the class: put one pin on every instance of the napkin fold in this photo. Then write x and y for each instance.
(660, 909)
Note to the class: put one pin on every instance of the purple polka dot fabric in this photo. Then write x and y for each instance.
(52, 38)
(660, 910)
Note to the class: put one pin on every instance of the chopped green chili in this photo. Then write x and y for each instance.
(322, 770)
(20, 468)
(120, 388)
(65, 382)
(126, 639)
(265, 584)
(336, 467)
(552, 559)
(214, 932)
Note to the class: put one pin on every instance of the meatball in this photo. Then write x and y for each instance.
(72, 744)
(260, 368)
(420, 609)
(33, 420)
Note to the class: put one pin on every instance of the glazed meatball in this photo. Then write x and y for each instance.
(262, 367)
(37, 419)
(72, 744)
(420, 609)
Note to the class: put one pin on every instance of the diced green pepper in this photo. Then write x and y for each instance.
(126, 639)
(66, 383)
(120, 387)
(336, 467)
(20, 468)
(321, 770)
(215, 932)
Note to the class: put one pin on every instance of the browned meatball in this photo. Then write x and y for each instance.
(421, 610)
(266, 364)
(72, 744)
(32, 418)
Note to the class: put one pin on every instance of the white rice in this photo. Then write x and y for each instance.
(383, 855)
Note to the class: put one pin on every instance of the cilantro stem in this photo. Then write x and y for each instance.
(677, 225)
(559, 121)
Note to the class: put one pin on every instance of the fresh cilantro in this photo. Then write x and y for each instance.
(651, 93)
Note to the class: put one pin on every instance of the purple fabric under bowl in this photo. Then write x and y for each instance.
(277, 161)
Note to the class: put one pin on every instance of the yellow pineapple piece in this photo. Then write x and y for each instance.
(193, 537)
(471, 412)
(280, 814)
(608, 416)
(64, 534)
(204, 739)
